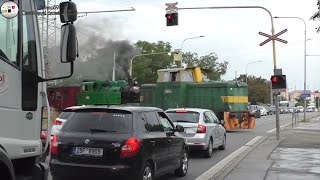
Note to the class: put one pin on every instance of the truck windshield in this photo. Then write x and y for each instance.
(9, 37)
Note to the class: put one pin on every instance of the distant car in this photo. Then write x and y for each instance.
(124, 142)
(254, 109)
(263, 111)
(61, 119)
(203, 130)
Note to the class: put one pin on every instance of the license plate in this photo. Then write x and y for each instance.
(85, 151)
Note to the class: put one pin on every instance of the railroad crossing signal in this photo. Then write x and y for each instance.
(172, 14)
(172, 19)
(279, 82)
(274, 37)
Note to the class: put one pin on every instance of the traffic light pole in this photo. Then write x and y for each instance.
(273, 47)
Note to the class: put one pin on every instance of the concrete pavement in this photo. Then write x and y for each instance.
(295, 156)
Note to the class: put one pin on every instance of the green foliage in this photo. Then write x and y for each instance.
(209, 62)
(259, 89)
(145, 68)
(316, 16)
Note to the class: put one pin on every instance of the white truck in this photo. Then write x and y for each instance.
(23, 95)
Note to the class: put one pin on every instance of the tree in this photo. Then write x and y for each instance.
(316, 16)
(259, 89)
(145, 68)
(210, 62)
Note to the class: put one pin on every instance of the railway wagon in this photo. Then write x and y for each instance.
(61, 97)
(190, 88)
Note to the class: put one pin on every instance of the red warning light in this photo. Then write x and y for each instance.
(168, 16)
(274, 79)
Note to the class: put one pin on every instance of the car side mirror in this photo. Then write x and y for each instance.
(222, 122)
(68, 12)
(68, 43)
(179, 128)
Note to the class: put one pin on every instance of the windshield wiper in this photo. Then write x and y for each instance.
(3, 55)
(184, 121)
(100, 130)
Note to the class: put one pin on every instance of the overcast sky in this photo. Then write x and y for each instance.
(231, 33)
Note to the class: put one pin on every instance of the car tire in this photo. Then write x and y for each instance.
(208, 152)
(183, 169)
(224, 144)
(146, 172)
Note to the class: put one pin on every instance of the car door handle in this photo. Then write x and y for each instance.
(169, 140)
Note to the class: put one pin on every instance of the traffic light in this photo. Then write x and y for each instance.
(279, 82)
(172, 19)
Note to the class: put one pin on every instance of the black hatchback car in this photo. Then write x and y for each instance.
(127, 142)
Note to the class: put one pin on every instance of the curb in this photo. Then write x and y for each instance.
(220, 175)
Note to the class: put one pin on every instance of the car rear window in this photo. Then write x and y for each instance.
(107, 121)
(64, 115)
(183, 116)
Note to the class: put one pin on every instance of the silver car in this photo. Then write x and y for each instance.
(203, 130)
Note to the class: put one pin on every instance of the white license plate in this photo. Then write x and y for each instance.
(87, 151)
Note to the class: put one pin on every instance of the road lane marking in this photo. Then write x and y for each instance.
(220, 165)
(253, 141)
(213, 170)
(281, 127)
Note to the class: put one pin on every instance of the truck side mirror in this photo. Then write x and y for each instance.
(68, 46)
(68, 12)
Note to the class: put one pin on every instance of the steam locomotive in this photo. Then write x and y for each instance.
(109, 93)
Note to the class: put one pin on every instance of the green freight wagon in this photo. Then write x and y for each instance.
(190, 88)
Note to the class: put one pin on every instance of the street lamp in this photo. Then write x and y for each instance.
(144, 55)
(247, 69)
(188, 39)
(305, 61)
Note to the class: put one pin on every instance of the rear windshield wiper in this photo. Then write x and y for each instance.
(100, 130)
(185, 121)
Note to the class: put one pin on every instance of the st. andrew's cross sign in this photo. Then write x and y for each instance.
(274, 37)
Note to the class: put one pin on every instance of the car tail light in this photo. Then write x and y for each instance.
(57, 122)
(43, 135)
(54, 145)
(130, 148)
(201, 129)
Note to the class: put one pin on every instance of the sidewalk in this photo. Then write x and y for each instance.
(296, 156)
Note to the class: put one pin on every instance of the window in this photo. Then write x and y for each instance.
(215, 119)
(183, 116)
(119, 122)
(9, 38)
(29, 60)
(165, 122)
(153, 124)
(64, 115)
(208, 118)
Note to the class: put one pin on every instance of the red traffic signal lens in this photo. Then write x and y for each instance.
(169, 17)
(274, 79)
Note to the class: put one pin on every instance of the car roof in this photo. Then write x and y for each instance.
(117, 107)
(190, 109)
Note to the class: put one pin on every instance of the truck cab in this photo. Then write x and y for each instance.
(23, 98)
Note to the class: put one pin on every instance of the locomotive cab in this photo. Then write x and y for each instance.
(195, 74)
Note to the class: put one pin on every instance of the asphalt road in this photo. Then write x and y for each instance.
(235, 139)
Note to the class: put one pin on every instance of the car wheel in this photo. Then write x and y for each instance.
(224, 144)
(208, 151)
(146, 173)
(183, 169)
